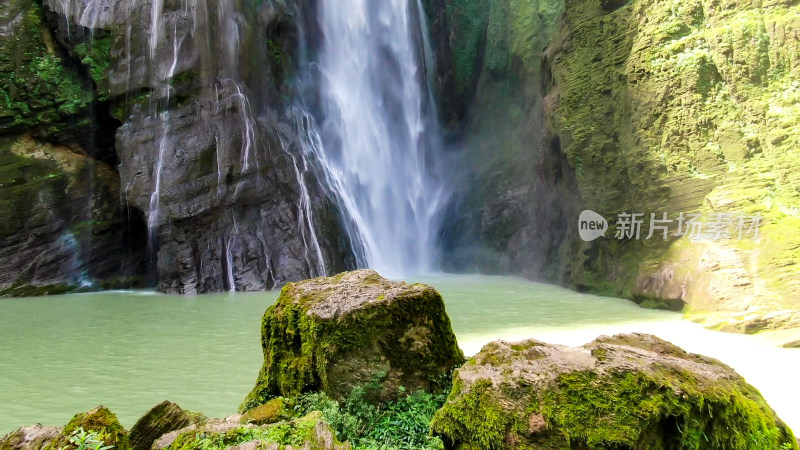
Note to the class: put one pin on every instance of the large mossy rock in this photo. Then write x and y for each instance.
(337, 333)
(160, 420)
(625, 392)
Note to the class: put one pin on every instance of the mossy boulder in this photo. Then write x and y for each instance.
(99, 420)
(337, 333)
(630, 391)
(160, 420)
(307, 432)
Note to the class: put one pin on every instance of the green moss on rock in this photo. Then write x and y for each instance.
(95, 55)
(309, 431)
(624, 392)
(160, 420)
(32, 437)
(270, 412)
(681, 106)
(38, 87)
(335, 334)
(99, 420)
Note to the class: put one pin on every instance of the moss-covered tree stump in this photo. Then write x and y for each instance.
(335, 334)
(623, 392)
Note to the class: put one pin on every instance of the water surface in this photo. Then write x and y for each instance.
(130, 350)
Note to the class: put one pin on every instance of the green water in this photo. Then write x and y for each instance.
(131, 350)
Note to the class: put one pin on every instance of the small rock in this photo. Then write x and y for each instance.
(792, 344)
(99, 420)
(310, 430)
(29, 438)
(270, 412)
(160, 420)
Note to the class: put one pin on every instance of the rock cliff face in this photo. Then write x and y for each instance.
(193, 113)
(62, 224)
(515, 211)
(211, 150)
(640, 107)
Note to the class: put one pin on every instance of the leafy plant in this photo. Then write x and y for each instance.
(87, 440)
(403, 423)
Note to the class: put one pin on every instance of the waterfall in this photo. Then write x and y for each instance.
(380, 138)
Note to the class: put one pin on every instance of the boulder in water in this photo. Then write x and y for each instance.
(337, 333)
(630, 391)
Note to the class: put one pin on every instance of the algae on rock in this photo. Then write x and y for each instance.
(307, 432)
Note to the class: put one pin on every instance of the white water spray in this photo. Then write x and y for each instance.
(379, 133)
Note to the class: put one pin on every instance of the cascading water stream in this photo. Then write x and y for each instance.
(380, 136)
(155, 197)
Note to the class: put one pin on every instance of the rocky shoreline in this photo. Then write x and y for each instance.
(350, 354)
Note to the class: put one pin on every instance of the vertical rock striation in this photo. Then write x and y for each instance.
(211, 150)
(196, 162)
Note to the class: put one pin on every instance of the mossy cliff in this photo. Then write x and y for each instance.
(339, 333)
(62, 225)
(623, 392)
(60, 221)
(38, 89)
(677, 107)
(640, 106)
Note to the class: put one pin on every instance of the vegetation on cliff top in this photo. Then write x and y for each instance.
(40, 89)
